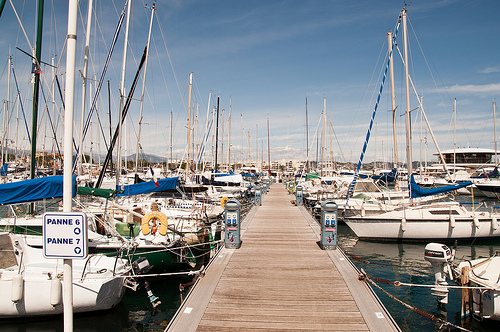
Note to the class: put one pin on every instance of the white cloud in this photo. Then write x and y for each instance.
(474, 89)
(490, 70)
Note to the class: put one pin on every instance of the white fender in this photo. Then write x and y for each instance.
(403, 224)
(452, 222)
(476, 222)
(16, 292)
(55, 291)
(494, 223)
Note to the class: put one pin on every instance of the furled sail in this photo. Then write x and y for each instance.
(416, 191)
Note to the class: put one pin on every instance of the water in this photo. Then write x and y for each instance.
(405, 262)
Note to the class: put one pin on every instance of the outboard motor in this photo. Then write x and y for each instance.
(141, 266)
(440, 257)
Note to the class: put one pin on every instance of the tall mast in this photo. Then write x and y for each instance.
(142, 93)
(217, 134)
(407, 86)
(189, 125)
(229, 136)
(36, 87)
(307, 139)
(323, 135)
(84, 80)
(495, 131)
(268, 146)
(122, 96)
(393, 100)
(455, 136)
(5, 154)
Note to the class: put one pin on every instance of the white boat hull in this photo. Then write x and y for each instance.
(421, 230)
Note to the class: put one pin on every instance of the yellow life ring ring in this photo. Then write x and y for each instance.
(223, 201)
(154, 215)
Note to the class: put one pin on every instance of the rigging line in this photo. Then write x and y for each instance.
(353, 184)
(21, 25)
(51, 123)
(99, 86)
(168, 54)
(124, 114)
(21, 103)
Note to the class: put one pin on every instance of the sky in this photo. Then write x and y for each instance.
(262, 60)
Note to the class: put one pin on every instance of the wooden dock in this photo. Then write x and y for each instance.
(281, 280)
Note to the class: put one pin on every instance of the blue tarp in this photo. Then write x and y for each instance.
(416, 191)
(33, 190)
(3, 171)
(148, 187)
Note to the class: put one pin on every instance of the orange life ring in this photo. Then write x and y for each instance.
(223, 201)
(154, 215)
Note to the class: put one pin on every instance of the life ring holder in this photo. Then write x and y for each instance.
(154, 215)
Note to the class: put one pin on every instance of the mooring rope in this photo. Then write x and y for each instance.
(363, 276)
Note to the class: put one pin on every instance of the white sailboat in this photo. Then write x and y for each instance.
(424, 222)
(35, 286)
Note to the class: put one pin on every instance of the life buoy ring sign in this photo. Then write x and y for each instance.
(152, 216)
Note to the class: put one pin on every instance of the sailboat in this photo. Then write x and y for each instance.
(423, 222)
(35, 283)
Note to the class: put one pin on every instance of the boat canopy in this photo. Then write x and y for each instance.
(26, 191)
(148, 187)
(99, 192)
(416, 191)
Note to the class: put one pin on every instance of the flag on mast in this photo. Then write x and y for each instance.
(154, 177)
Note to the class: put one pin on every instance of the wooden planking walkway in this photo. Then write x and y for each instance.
(281, 280)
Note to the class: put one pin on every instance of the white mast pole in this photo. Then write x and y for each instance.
(84, 82)
(142, 93)
(122, 97)
(68, 153)
(189, 125)
(407, 86)
(393, 101)
(495, 131)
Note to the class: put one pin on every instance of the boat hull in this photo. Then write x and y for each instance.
(89, 295)
(423, 230)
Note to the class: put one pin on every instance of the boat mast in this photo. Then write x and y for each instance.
(36, 87)
(5, 154)
(217, 134)
(307, 140)
(268, 146)
(455, 136)
(495, 132)
(407, 87)
(393, 100)
(229, 136)
(84, 81)
(122, 97)
(189, 124)
(142, 93)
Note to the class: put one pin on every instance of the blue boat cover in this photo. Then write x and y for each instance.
(33, 190)
(416, 191)
(148, 187)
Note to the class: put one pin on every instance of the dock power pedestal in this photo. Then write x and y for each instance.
(232, 224)
(258, 195)
(329, 225)
(299, 199)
